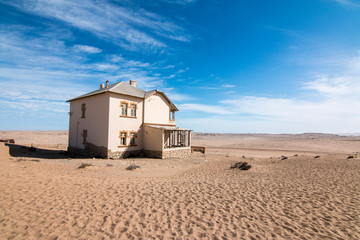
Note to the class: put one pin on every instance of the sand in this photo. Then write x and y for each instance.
(43, 194)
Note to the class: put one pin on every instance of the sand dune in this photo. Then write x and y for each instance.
(301, 197)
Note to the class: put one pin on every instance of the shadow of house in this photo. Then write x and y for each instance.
(16, 150)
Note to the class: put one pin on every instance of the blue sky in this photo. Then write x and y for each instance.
(242, 66)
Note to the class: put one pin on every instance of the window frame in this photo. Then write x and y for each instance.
(122, 108)
(83, 110)
(172, 115)
(131, 109)
(130, 138)
(121, 138)
(84, 136)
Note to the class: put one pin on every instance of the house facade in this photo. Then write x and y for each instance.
(121, 120)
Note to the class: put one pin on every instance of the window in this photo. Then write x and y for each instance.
(124, 109)
(172, 115)
(83, 109)
(133, 110)
(84, 135)
(122, 138)
(132, 139)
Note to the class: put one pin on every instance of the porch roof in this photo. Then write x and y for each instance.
(170, 128)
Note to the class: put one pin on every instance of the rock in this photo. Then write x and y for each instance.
(349, 157)
(284, 157)
(317, 156)
(241, 166)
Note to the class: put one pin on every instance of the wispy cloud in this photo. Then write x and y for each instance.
(182, 2)
(227, 86)
(41, 72)
(120, 24)
(330, 103)
(87, 49)
(204, 108)
(348, 3)
(176, 96)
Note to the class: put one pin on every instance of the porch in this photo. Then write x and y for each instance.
(167, 141)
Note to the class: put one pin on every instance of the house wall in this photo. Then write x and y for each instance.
(153, 140)
(157, 110)
(118, 123)
(95, 122)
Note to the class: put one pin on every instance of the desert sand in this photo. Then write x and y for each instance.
(312, 194)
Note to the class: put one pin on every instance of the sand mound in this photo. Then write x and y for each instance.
(4, 151)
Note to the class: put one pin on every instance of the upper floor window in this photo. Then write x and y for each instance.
(122, 138)
(132, 139)
(172, 115)
(133, 110)
(124, 107)
(83, 110)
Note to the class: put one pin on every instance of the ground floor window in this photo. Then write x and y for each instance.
(132, 139)
(122, 138)
(84, 136)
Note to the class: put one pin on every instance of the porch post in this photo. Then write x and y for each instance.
(162, 140)
(189, 136)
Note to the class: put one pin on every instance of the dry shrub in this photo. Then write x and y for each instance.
(84, 165)
(132, 167)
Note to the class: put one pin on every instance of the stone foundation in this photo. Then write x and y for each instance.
(101, 152)
(125, 154)
(176, 153)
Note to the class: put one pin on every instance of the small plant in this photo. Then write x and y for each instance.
(132, 167)
(84, 165)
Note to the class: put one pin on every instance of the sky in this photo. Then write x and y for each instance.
(230, 66)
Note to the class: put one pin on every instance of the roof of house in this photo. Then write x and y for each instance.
(125, 89)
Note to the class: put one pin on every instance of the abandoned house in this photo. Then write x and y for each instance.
(121, 120)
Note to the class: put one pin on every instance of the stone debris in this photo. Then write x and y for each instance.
(241, 166)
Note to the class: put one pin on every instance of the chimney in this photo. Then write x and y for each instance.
(133, 83)
(107, 83)
(101, 86)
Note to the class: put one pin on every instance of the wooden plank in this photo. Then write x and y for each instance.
(198, 149)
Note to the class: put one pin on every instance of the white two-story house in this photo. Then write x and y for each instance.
(121, 120)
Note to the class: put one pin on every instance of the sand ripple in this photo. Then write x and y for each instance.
(301, 198)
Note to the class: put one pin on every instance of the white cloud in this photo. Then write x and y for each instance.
(195, 107)
(86, 48)
(334, 87)
(330, 103)
(227, 86)
(182, 2)
(105, 67)
(175, 96)
(347, 3)
(42, 73)
(122, 25)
